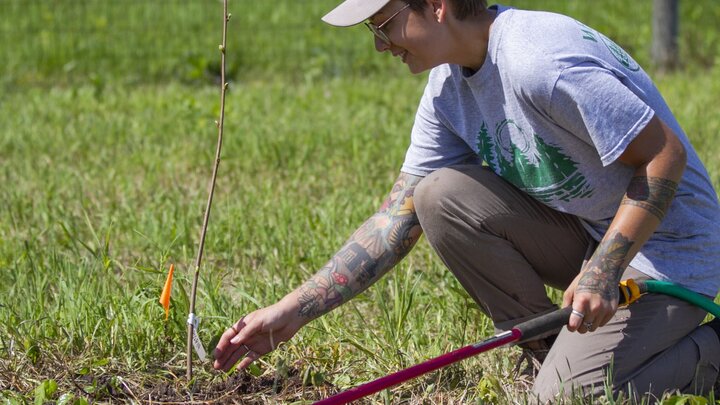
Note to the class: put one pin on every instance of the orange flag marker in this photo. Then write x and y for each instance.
(165, 295)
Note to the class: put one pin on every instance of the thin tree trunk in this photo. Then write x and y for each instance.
(206, 218)
(665, 32)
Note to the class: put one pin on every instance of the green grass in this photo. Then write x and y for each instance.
(106, 147)
(136, 41)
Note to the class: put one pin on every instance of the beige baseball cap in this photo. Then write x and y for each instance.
(351, 12)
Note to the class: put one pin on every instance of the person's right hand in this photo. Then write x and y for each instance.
(256, 334)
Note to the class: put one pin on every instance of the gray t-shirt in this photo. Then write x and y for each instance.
(551, 109)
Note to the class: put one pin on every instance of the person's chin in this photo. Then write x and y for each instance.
(416, 68)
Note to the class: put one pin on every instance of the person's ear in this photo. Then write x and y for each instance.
(439, 8)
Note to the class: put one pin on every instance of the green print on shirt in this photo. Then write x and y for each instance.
(539, 169)
(623, 57)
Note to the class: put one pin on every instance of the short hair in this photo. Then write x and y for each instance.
(461, 8)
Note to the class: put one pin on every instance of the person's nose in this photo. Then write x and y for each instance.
(380, 45)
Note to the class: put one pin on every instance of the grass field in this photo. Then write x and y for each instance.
(106, 146)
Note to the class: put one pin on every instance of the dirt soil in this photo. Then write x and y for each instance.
(238, 388)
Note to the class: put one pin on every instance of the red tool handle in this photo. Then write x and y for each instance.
(419, 369)
(527, 330)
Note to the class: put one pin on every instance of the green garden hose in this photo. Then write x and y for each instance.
(674, 290)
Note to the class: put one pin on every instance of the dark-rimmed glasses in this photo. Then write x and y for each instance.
(377, 29)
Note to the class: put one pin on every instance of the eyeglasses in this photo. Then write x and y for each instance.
(377, 29)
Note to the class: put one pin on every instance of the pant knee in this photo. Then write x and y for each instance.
(428, 194)
(466, 192)
(439, 199)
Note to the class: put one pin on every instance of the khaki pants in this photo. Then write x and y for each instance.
(504, 247)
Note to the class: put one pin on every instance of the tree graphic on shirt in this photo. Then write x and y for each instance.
(531, 164)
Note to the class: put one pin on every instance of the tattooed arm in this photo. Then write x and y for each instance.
(659, 159)
(372, 250)
(380, 243)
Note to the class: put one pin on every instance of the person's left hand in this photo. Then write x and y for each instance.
(594, 298)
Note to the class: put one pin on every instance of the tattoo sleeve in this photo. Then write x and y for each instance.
(651, 193)
(380, 243)
(602, 273)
